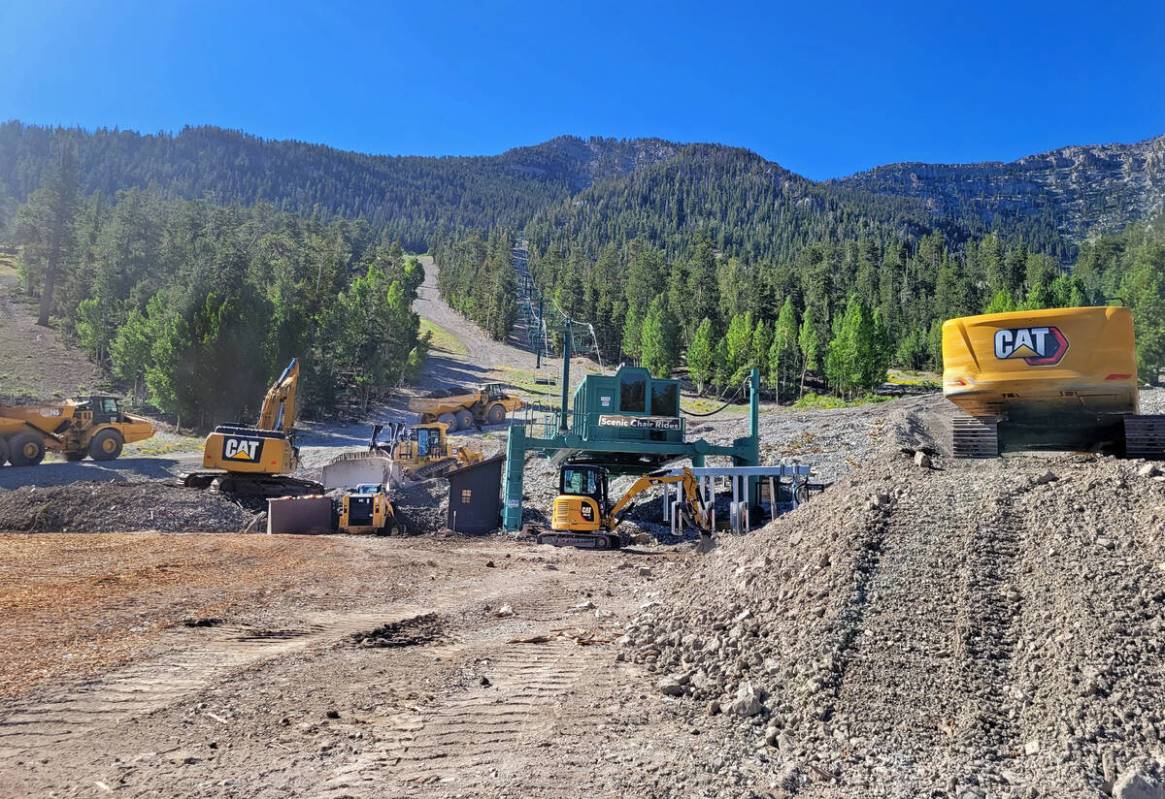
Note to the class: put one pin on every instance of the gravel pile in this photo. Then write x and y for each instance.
(129, 507)
(989, 628)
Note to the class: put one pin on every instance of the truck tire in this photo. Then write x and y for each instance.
(106, 445)
(449, 420)
(465, 420)
(26, 449)
(496, 413)
(3, 451)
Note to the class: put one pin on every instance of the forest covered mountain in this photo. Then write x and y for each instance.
(594, 191)
(408, 197)
(1078, 190)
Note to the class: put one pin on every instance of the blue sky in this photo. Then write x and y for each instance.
(824, 89)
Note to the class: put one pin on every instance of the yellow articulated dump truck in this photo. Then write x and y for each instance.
(93, 426)
(486, 405)
(1060, 378)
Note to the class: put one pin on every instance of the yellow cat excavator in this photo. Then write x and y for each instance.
(583, 516)
(254, 462)
(1059, 378)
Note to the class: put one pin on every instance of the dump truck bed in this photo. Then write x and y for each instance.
(436, 406)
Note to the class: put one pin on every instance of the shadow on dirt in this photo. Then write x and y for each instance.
(122, 470)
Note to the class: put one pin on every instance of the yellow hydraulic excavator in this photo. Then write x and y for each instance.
(257, 461)
(1059, 378)
(584, 517)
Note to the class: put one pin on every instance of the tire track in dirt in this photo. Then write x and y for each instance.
(954, 638)
(986, 637)
(198, 662)
(145, 687)
(514, 733)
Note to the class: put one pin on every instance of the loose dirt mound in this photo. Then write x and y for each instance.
(994, 628)
(104, 507)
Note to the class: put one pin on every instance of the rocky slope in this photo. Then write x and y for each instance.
(1084, 189)
(981, 629)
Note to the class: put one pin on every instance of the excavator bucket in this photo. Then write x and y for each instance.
(706, 544)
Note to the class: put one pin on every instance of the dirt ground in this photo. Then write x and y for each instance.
(35, 362)
(298, 666)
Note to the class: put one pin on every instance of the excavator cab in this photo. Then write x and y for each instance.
(581, 504)
(581, 510)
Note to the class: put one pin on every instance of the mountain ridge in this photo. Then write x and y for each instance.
(1054, 198)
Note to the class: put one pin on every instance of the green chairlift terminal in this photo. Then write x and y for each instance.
(628, 422)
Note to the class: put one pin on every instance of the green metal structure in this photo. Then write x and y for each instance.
(629, 422)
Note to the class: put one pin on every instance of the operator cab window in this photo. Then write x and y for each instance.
(664, 398)
(109, 405)
(583, 482)
(633, 394)
(423, 442)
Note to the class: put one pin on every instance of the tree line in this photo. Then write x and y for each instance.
(477, 279)
(406, 198)
(754, 210)
(195, 308)
(842, 312)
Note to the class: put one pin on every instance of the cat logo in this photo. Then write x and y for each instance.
(1038, 346)
(235, 448)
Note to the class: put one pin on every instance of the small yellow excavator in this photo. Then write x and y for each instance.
(255, 462)
(584, 517)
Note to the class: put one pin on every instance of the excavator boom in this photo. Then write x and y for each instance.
(257, 462)
(691, 491)
(279, 410)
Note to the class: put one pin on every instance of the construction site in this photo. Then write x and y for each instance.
(570, 585)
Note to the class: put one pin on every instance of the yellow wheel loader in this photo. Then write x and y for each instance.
(253, 462)
(1060, 378)
(583, 516)
(486, 405)
(94, 426)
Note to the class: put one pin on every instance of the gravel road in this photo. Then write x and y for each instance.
(486, 359)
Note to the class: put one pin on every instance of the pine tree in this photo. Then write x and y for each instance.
(1143, 288)
(702, 356)
(785, 352)
(660, 339)
(702, 300)
(762, 342)
(46, 229)
(737, 350)
(809, 342)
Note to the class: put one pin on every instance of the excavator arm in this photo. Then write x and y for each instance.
(279, 409)
(691, 492)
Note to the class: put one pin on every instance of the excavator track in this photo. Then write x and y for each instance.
(1145, 436)
(245, 486)
(975, 436)
(430, 470)
(580, 540)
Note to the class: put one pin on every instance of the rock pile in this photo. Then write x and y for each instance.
(977, 629)
(119, 507)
